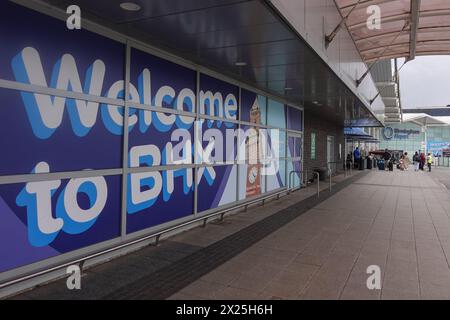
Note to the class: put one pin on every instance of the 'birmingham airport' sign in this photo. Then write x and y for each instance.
(390, 133)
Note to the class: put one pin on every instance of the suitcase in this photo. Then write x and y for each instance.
(381, 165)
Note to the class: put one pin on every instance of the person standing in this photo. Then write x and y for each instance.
(349, 160)
(406, 160)
(416, 161)
(386, 157)
(422, 161)
(401, 164)
(429, 161)
(357, 157)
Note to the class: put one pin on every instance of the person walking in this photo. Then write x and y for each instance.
(416, 161)
(429, 161)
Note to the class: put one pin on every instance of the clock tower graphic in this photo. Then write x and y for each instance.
(252, 152)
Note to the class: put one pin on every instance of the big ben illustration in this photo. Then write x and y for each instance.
(252, 151)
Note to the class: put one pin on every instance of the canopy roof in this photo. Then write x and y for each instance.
(355, 131)
(408, 27)
(357, 134)
(422, 119)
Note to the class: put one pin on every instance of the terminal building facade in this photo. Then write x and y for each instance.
(153, 116)
(422, 130)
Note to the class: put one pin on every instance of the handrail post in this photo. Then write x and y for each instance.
(329, 173)
(291, 182)
(318, 183)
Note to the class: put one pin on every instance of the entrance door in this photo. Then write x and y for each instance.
(330, 154)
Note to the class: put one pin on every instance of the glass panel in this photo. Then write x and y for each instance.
(253, 107)
(153, 145)
(157, 197)
(276, 114)
(29, 234)
(34, 136)
(217, 186)
(218, 98)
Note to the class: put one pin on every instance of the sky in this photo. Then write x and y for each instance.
(425, 82)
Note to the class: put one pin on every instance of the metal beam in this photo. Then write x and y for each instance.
(329, 38)
(415, 16)
(358, 81)
(385, 83)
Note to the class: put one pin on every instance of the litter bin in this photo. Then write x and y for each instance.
(362, 163)
(369, 163)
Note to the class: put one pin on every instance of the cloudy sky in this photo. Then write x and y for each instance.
(425, 82)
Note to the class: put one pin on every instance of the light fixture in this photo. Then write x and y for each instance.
(130, 6)
(288, 88)
(241, 64)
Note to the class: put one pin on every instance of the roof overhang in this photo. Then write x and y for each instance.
(422, 119)
(216, 34)
(407, 28)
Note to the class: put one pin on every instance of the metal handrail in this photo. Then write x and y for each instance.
(332, 162)
(330, 171)
(329, 174)
(155, 235)
(290, 180)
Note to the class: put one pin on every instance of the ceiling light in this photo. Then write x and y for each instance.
(241, 64)
(130, 6)
(288, 88)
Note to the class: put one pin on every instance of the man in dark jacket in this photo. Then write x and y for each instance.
(416, 161)
(357, 157)
(386, 155)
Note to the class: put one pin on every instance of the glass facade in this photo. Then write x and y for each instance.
(150, 150)
(411, 137)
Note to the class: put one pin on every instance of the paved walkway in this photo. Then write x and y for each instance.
(288, 249)
(398, 221)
